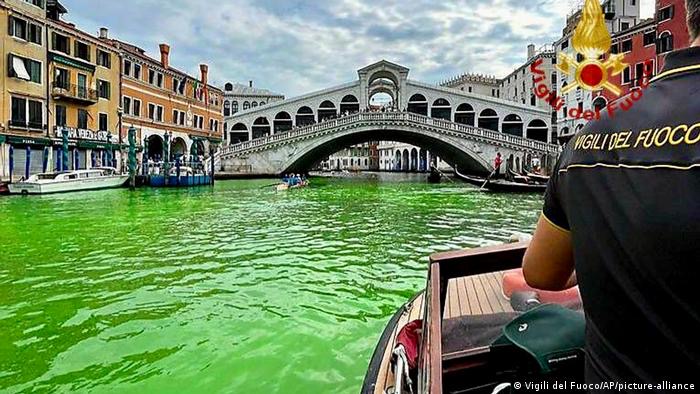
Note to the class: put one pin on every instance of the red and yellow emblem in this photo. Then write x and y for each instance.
(592, 40)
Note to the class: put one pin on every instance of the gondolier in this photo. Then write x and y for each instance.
(622, 208)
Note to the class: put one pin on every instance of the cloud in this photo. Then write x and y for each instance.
(297, 46)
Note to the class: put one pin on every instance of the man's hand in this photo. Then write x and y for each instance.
(549, 261)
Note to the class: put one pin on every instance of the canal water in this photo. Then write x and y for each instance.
(230, 289)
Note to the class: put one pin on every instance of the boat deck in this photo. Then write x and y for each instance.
(474, 295)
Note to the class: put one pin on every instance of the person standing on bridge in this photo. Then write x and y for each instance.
(626, 218)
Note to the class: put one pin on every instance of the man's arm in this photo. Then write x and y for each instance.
(549, 261)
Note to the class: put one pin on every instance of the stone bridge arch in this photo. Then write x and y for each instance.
(452, 150)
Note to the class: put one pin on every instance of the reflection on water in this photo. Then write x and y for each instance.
(234, 288)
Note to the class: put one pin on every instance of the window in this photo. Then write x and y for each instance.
(227, 108)
(103, 122)
(126, 104)
(38, 3)
(27, 113)
(104, 89)
(152, 77)
(151, 111)
(627, 46)
(61, 116)
(624, 26)
(664, 43)
(234, 107)
(246, 105)
(19, 112)
(104, 59)
(665, 14)
(178, 117)
(137, 71)
(470, 89)
(35, 35)
(633, 2)
(127, 67)
(26, 69)
(137, 108)
(615, 49)
(60, 43)
(159, 114)
(533, 100)
(62, 78)
(18, 28)
(626, 76)
(579, 57)
(565, 44)
(649, 38)
(82, 50)
(82, 119)
(160, 80)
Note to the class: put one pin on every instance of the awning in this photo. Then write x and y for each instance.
(20, 69)
(2, 139)
(28, 140)
(96, 145)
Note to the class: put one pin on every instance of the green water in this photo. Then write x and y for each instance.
(231, 289)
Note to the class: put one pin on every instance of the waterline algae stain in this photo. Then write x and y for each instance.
(230, 289)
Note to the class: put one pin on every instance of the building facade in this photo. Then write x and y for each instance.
(23, 126)
(484, 85)
(364, 157)
(171, 110)
(83, 98)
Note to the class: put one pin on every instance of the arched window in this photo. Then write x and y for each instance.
(234, 107)
(227, 108)
(599, 103)
(418, 104)
(465, 114)
(441, 109)
(488, 119)
(228, 87)
(254, 104)
(664, 43)
(513, 125)
(537, 130)
(246, 105)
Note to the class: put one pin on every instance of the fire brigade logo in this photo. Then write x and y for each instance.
(592, 40)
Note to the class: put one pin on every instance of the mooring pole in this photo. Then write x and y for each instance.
(132, 158)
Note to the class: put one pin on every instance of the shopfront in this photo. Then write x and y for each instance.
(86, 149)
(21, 157)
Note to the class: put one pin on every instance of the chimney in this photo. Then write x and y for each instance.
(165, 55)
(530, 51)
(250, 83)
(205, 73)
(104, 33)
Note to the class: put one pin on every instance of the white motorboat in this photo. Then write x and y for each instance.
(70, 181)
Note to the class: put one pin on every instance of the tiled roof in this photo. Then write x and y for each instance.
(244, 90)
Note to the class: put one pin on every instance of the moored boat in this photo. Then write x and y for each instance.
(463, 335)
(70, 181)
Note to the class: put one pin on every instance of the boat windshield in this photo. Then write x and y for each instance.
(46, 177)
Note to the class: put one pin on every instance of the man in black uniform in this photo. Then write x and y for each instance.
(623, 204)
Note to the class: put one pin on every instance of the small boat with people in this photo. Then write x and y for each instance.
(292, 181)
(518, 185)
(478, 328)
(70, 181)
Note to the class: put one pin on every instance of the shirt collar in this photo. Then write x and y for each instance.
(679, 63)
(682, 58)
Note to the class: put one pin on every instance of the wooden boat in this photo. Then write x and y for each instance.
(538, 177)
(282, 187)
(462, 311)
(4, 188)
(70, 181)
(503, 186)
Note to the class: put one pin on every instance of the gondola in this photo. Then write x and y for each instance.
(461, 334)
(502, 186)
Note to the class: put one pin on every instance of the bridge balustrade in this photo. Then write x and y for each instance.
(439, 124)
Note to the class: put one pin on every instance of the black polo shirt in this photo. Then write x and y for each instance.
(627, 187)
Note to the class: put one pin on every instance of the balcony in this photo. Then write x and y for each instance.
(73, 92)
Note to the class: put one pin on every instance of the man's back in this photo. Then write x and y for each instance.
(628, 188)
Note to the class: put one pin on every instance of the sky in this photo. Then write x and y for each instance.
(295, 47)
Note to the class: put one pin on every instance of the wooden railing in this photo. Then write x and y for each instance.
(438, 125)
(443, 267)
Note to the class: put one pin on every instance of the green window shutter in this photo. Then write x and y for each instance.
(11, 26)
(53, 40)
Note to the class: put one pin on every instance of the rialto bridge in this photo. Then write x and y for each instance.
(466, 130)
